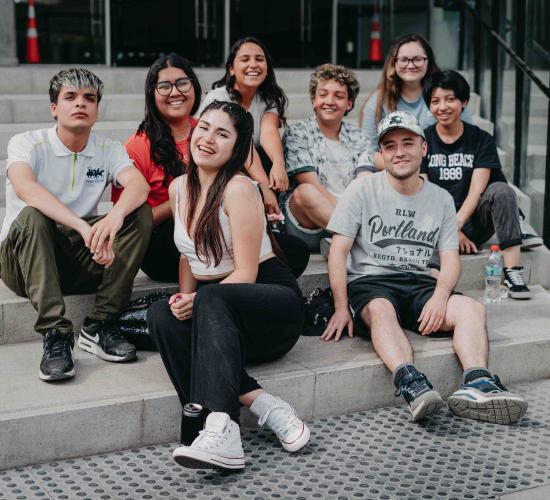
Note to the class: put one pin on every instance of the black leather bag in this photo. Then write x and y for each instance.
(132, 321)
(319, 308)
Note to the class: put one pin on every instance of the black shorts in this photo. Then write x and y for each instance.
(408, 293)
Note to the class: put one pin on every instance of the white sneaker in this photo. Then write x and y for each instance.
(281, 418)
(218, 446)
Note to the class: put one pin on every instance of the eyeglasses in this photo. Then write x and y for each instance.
(182, 84)
(417, 61)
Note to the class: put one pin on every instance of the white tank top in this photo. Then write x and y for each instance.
(186, 245)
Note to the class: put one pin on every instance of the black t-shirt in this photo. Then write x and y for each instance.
(451, 165)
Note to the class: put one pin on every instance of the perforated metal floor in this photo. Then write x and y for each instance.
(378, 454)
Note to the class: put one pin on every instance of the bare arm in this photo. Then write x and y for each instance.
(161, 213)
(433, 313)
(34, 195)
(478, 184)
(270, 140)
(339, 251)
(313, 178)
(246, 219)
(256, 170)
(133, 195)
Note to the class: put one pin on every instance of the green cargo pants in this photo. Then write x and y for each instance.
(42, 260)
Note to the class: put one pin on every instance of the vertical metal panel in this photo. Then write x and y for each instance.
(108, 61)
(334, 43)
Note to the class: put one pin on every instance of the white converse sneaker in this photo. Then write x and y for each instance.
(281, 418)
(218, 446)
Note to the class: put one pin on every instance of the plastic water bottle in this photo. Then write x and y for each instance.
(493, 277)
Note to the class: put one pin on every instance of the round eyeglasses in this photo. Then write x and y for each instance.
(417, 61)
(182, 84)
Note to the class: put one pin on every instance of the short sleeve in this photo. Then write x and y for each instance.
(486, 155)
(369, 123)
(298, 156)
(116, 160)
(346, 217)
(21, 148)
(219, 93)
(365, 162)
(139, 152)
(448, 237)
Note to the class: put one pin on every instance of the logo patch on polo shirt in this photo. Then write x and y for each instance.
(95, 175)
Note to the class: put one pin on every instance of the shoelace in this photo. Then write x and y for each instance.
(283, 423)
(494, 381)
(111, 332)
(411, 383)
(57, 347)
(207, 437)
(516, 276)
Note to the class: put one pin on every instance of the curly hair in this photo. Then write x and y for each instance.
(340, 74)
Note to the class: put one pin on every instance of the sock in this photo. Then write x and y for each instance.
(401, 371)
(262, 404)
(474, 373)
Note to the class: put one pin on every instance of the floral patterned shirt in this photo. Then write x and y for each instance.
(306, 150)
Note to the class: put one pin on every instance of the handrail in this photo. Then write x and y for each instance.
(517, 60)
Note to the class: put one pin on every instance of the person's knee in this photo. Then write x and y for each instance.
(502, 192)
(378, 310)
(34, 220)
(465, 308)
(306, 196)
(209, 298)
(157, 313)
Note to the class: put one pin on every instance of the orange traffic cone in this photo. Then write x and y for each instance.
(33, 55)
(375, 48)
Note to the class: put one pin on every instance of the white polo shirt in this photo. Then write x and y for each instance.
(76, 179)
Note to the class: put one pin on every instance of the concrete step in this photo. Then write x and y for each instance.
(537, 133)
(32, 108)
(535, 190)
(110, 406)
(18, 316)
(35, 80)
(538, 105)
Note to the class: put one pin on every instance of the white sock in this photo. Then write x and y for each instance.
(263, 403)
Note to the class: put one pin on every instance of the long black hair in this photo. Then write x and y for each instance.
(164, 151)
(269, 91)
(208, 237)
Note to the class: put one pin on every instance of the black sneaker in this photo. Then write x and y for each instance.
(57, 360)
(103, 339)
(419, 394)
(515, 282)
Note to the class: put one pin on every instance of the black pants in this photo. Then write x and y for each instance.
(232, 324)
(161, 259)
(497, 212)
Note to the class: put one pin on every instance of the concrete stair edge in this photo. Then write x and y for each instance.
(17, 315)
(319, 379)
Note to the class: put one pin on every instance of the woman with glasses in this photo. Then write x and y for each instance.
(238, 302)
(249, 80)
(409, 62)
(160, 151)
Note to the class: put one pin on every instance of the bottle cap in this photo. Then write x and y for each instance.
(495, 248)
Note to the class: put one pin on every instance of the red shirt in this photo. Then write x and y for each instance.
(139, 150)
